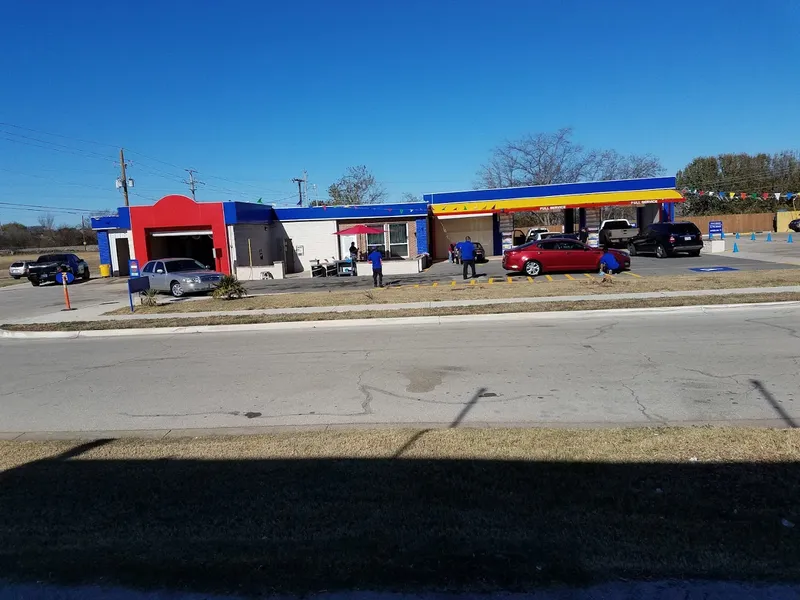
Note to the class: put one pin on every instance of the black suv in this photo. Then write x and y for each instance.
(665, 239)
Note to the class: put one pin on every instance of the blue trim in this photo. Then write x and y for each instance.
(247, 212)
(363, 211)
(104, 246)
(422, 235)
(561, 189)
(122, 220)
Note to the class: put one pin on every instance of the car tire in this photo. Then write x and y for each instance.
(175, 289)
(661, 252)
(86, 274)
(15, 276)
(694, 253)
(533, 268)
(631, 249)
(35, 282)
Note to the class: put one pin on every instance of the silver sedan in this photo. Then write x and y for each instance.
(180, 276)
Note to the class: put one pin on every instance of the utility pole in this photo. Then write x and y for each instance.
(83, 232)
(123, 179)
(192, 183)
(300, 184)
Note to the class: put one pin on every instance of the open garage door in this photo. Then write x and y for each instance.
(455, 229)
(197, 244)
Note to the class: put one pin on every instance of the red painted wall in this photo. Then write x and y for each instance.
(180, 212)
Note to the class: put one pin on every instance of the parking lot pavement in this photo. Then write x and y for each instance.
(25, 301)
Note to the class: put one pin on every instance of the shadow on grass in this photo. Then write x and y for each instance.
(393, 524)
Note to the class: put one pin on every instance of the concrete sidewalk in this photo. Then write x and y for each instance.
(96, 313)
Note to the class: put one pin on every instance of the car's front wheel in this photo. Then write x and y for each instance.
(631, 249)
(86, 274)
(176, 289)
(661, 252)
(35, 282)
(533, 268)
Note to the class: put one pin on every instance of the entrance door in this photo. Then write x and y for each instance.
(123, 256)
(344, 245)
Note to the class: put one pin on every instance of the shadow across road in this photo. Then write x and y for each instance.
(256, 526)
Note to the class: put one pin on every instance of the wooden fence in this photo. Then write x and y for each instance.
(743, 223)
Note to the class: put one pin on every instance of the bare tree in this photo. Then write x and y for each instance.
(47, 221)
(409, 197)
(357, 186)
(551, 158)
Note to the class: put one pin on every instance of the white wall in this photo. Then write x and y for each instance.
(113, 236)
(455, 229)
(316, 238)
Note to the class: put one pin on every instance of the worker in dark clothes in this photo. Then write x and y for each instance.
(583, 235)
(467, 251)
(377, 267)
(354, 257)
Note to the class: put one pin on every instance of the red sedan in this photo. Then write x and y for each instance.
(557, 255)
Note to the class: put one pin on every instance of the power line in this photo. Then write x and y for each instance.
(57, 135)
(192, 183)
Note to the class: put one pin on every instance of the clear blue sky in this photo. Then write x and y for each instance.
(418, 90)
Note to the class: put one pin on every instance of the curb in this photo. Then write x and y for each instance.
(384, 322)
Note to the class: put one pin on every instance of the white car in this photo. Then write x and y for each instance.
(19, 268)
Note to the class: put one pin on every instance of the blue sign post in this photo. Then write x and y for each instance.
(715, 227)
(137, 284)
(133, 268)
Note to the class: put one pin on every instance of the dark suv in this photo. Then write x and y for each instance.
(666, 239)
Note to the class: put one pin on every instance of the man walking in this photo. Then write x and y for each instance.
(467, 251)
(377, 267)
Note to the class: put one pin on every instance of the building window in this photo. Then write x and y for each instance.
(376, 240)
(398, 240)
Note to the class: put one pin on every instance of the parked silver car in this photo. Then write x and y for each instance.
(180, 276)
(19, 268)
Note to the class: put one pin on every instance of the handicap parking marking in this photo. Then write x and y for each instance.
(530, 279)
(711, 269)
(570, 277)
(549, 278)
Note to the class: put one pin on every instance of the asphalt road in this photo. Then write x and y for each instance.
(25, 301)
(723, 365)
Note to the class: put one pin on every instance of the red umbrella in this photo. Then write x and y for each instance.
(356, 229)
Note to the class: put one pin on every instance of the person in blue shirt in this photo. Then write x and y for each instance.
(377, 267)
(467, 251)
(608, 262)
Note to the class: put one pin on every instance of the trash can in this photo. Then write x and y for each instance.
(105, 270)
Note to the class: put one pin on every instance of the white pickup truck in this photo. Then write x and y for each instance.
(616, 233)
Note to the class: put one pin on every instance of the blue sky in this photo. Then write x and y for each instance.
(420, 91)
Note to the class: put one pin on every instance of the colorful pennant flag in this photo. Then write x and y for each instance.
(731, 194)
(777, 195)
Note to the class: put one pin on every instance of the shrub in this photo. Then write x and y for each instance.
(229, 288)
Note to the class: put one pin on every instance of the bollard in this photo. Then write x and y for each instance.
(753, 237)
(737, 235)
(769, 237)
(64, 283)
(789, 240)
(735, 247)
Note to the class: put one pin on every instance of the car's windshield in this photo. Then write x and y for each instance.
(187, 264)
(48, 258)
(17, 264)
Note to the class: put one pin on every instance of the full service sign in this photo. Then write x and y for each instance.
(715, 228)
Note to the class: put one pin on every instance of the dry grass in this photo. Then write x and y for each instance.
(521, 288)
(465, 509)
(92, 258)
(516, 307)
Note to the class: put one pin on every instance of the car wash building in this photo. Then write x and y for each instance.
(257, 241)
(487, 215)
